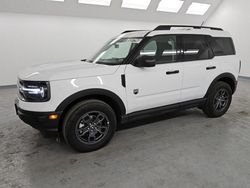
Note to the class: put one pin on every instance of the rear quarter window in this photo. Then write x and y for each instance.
(222, 46)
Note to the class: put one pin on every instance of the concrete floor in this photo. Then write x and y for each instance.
(181, 150)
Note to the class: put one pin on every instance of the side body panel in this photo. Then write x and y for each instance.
(155, 88)
(228, 64)
(195, 81)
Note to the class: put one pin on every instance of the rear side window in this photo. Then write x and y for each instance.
(195, 47)
(222, 46)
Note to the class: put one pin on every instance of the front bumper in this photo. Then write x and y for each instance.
(38, 120)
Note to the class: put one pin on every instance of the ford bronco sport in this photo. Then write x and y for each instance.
(136, 74)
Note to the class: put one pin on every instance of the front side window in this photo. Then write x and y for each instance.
(150, 49)
(115, 51)
(195, 47)
(162, 48)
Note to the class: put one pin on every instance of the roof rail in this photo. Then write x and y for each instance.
(168, 27)
(129, 31)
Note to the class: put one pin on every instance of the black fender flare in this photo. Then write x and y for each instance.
(92, 93)
(227, 75)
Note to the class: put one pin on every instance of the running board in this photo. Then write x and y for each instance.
(162, 110)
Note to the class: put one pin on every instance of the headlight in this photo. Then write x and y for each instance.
(34, 91)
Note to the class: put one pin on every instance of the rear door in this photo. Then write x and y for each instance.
(197, 65)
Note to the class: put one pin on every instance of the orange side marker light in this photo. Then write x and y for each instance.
(53, 116)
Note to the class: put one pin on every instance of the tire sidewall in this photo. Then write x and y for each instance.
(211, 96)
(72, 122)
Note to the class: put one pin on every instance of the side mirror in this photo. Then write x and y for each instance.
(145, 61)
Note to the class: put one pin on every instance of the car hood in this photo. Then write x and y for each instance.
(65, 70)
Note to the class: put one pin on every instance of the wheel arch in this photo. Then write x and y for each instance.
(101, 94)
(228, 78)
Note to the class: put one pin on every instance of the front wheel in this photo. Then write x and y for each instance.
(218, 100)
(89, 125)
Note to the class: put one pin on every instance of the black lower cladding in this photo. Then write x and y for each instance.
(39, 120)
(162, 110)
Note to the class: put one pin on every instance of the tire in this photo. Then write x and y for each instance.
(89, 125)
(218, 100)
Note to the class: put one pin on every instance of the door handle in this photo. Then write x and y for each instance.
(210, 68)
(172, 72)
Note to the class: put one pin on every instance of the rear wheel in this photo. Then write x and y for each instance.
(218, 100)
(89, 125)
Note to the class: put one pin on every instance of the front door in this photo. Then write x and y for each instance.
(157, 86)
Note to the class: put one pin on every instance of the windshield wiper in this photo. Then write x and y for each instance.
(86, 60)
(107, 63)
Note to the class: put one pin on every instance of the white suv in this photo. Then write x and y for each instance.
(137, 74)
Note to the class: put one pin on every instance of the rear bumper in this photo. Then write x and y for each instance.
(38, 120)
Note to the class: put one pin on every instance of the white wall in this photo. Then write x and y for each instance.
(27, 40)
(234, 15)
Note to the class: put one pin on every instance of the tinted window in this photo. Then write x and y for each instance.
(222, 46)
(163, 48)
(115, 51)
(150, 49)
(195, 47)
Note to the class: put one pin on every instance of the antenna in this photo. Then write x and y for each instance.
(202, 23)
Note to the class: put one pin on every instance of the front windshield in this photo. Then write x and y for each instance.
(115, 51)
